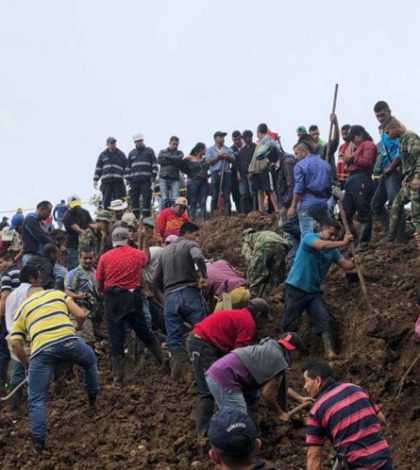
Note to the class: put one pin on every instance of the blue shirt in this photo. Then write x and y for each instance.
(311, 266)
(390, 150)
(213, 152)
(313, 180)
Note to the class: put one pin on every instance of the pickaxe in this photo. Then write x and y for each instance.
(339, 196)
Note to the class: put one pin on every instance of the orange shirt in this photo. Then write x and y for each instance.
(168, 223)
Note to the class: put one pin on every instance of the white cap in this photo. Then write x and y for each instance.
(138, 136)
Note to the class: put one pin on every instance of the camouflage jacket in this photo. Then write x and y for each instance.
(90, 238)
(410, 155)
(81, 281)
(255, 242)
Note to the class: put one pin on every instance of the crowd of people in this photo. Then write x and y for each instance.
(66, 288)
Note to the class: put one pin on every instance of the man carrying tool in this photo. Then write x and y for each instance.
(345, 414)
(44, 319)
(220, 157)
(236, 378)
(410, 189)
(119, 275)
(265, 253)
(302, 288)
(226, 285)
(176, 276)
(210, 339)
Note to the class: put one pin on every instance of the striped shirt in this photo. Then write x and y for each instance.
(345, 414)
(44, 318)
(10, 279)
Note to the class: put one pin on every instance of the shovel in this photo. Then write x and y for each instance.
(18, 387)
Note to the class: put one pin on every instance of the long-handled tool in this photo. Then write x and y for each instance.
(298, 408)
(18, 387)
(219, 199)
(339, 195)
(331, 124)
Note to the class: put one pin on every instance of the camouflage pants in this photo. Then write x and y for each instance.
(405, 195)
(268, 265)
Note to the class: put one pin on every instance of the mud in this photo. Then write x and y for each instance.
(150, 423)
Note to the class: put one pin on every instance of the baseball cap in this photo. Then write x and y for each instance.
(181, 201)
(7, 234)
(119, 236)
(170, 239)
(149, 222)
(138, 136)
(232, 432)
(236, 134)
(219, 134)
(4, 219)
(261, 305)
(301, 129)
(104, 215)
(292, 341)
(74, 201)
(130, 220)
(111, 140)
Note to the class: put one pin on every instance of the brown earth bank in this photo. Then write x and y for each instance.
(150, 423)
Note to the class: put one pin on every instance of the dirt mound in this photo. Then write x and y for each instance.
(150, 423)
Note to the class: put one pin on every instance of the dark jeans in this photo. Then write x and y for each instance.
(186, 304)
(4, 354)
(202, 355)
(247, 195)
(310, 219)
(197, 192)
(292, 234)
(296, 301)
(112, 190)
(141, 187)
(41, 366)
(124, 309)
(234, 185)
(215, 190)
(358, 197)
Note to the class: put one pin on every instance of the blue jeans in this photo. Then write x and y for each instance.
(72, 258)
(18, 374)
(197, 194)
(310, 219)
(237, 400)
(73, 350)
(215, 190)
(4, 353)
(291, 231)
(186, 304)
(247, 195)
(169, 191)
(386, 191)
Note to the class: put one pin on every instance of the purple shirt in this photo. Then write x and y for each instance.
(230, 374)
(313, 180)
(219, 272)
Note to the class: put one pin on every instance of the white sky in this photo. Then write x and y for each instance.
(74, 72)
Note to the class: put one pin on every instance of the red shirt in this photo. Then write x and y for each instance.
(363, 158)
(168, 223)
(122, 266)
(227, 329)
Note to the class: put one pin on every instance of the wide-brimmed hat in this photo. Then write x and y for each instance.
(104, 216)
(118, 205)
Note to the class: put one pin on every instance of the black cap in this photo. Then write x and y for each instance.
(247, 133)
(236, 135)
(219, 134)
(111, 140)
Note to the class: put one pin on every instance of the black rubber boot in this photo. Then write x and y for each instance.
(364, 237)
(38, 446)
(16, 400)
(92, 405)
(329, 346)
(118, 363)
(384, 220)
(175, 361)
(204, 412)
(156, 350)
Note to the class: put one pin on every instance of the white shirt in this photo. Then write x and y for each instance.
(14, 301)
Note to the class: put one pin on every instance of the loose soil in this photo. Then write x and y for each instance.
(150, 423)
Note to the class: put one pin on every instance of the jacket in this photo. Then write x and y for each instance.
(244, 159)
(286, 179)
(34, 235)
(141, 163)
(170, 161)
(110, 166)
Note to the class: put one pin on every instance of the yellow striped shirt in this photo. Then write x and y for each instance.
(44, 318)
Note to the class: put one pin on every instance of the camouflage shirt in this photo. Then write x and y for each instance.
(91, 238)
(410, 155)
(254, 243)
(81, 281)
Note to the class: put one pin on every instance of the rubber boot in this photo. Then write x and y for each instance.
(118, 363)
(364, 237)
(384, 220)
(38, 446)
(156, 350)
(175, 361)
(203, 414)
(92, 405)
(329, 346)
